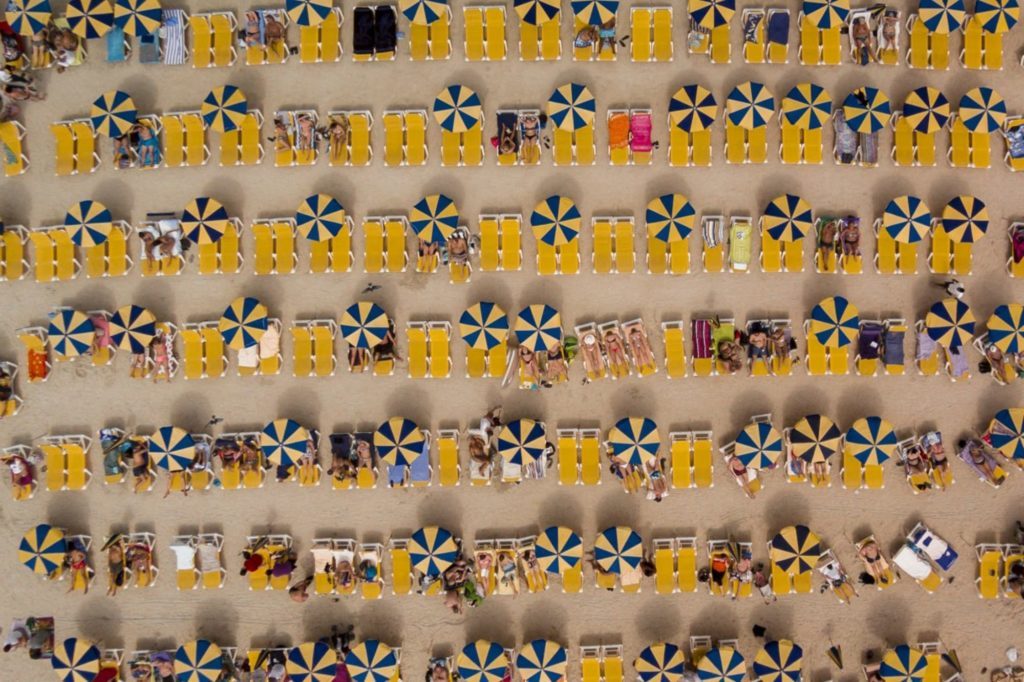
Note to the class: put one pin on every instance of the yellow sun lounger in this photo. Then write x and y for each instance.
(322, 43)
(225, 28)
(64, 144)
(394, 138)
(665, 576)
(641, 43)
(686, 563)
(439, 335)
(449, 469)
(568, 448)
(511, 242)
(990, 558)
(490, 243)
(754, 47)
(416, 137)
(373, 554)
(396, 255)
(12, 135)
(972, 52)
(590, 456)
(418, 360)
(373, 244)
(1012, 555)
(703, 468)
(202, 41)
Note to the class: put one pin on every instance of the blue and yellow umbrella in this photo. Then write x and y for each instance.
(871, 441)
(434, 218)
(692, 108)
(571, 107)
(927, 110)
(542, 661)
(90, 18)
(834, 322)
(132, 328)
(758, 446)
(483, 325)
(308, 12)
(537, 12)
(711, 14)
(423, 12)
(1006, 328)
(320, 217)
(807, 106)
(244, 323)
(224, 108)
(942, 17)
(595, 12)
(284, 442)
(950, 323)
(556, 220)
(113, 113)
(559, 549)
(618, 549)
(965, 219)
(780, 661)
(371, 661)
(903, 664)
(750, 105)
(997, 16)
(457, 109)
(867, 110)
(432, 550)
(815, 438)
(42, 549)
(71, 332)
(670, 218)
(906, 219)
(722, 664)
(89, 223)
(311, 662)
(172, 448)
(76, 660)
(522, 441)
(364, 324)
(538, 327)
(982, 110)
(795, 549)
(1006, 433)
(399, 441)
(826, 14)
(788, 218)
(204, 220)
(635, 440)
(28, 17)
(661, 662)
(482, 661)
(198, 661)
(138, 17)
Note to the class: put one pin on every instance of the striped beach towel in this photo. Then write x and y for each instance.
(702, 338)
(173, 34)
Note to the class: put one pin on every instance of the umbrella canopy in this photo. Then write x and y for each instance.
(311, 662)
(71, 332)
(522, 441)
(132, 328)
(243, 323)
(28, 17)
(867, 110)
(871, 441)
(1007, 433)
(903, 664)
(997, 16)
(692, 108)
(224, 108)
(788, 218)
(89, 223)
(482, 661)
(538, 327)
(90, 18)
(434, 218)
(927, 110)
(660, 663)
(371, 661)
(950, 323)
(76, 660)
(722, 664)
(284, 442)
(827, 13)
(571, 107)
(483, 325)
(779, 661)
(711, 14)
(308, 12)
(197, 661)
(795, 549)
(595, 12)
(432, 550)
(204, 221)
(1006, 328)
(399, 441)
(364, 324)
(320, 217)
(815, 438)
(670, 218)
(423, 12)
(982, 110)
(834, 322)
(618, 549)
(758, 446)
(457, 109)
(634, 440)
(542, 661)
(537, 12)
(42, 549)
(965, 219)
(942, 16)
(750, 105)
(556, 220)
(113, 113)
(559, 549)
(172, 448)
(906, 219)
(138, 17)
(807, 106)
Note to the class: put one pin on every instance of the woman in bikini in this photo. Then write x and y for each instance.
(872, 557)
(616, 353)
(337, 135)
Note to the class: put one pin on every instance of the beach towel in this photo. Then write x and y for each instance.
(385, 29)
(184, 557)
(363, 38)
(936, 548)
(172, 33)
(869, 343)
(419, 470)
(640, 132)
(702, 338)
(778, 28)
(396, 475)
(754, 20)
(115, 46)
(869, 148)
(249, 357)
(892, 348)
(618, 131)
(925, 346)
(270, 342)
(958, 366)
(1014, 134)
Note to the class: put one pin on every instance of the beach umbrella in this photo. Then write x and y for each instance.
(76, 660)
(542, 661)
(71, 332)
(42, 549)
(224, 108)
(522, 441)
(692, 108)
(204, 220)
(906, 219)
(90, 18)
(371, 661)
(1006, 328)
(89, 223)
(982, 110)
(559, 549)
(950, 323)
(722, 664)
(670, 218)
(834, 322)
(618, 549)
(172, 448)
(284, 442)
(635, 440)
(571, 107)
(807, 106)
(660, 663)
(826, 14)
(942, 16)
(750, 105)
(28, 17)
(538, 327)
(758, 446)
(311, 662)
(711, 14)
(197, 661)
(364, 324)
(788, 218)
(308, 12)
(434, 218)
(483, 325)
(814, 438)
(482, 661)
(132, 328)
(871, 441)
(457, 109)
(903, 664)
(423, 12)
(243, 323)
(595, 12)
(779, 661)
(795, 549)
(997, 16)
(556, 220)
(432, 550)
(965, 219)
(320, 217)
(927, 110)
(867, 110)
(399, 441)
(138, 17)
(1007, 433)
(113, 113)
(537, 12)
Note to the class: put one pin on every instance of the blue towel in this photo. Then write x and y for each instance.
(115, 46)
(396, 475)
(778, 28)
(419, 470)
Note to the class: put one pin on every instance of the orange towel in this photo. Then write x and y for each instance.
(618, 131)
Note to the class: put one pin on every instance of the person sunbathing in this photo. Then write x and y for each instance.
(757, 344)
(838, 581)
(337, 135)
(307, 132)
(251, 460)
(556, 370)
(530, 151)
(507, 140)
(149, 146)
(874, 562)
(863, 39)
(22, 479)
(160, 353)
(819, 472)
(78, 565)
(593, 360)
(478, 455)
(358, 359)
(979, 457)
(140, 467)
(730, 353)
(529, 368)
(140, 558)
(67, 50)
(741, 574)
(639, 347)
(931, 444)
(1002, 369)
(344, 575)
(606, 35)
(123, 151)
(742, 474)
(458, 247)
(827, 234)
(281, 137)
(1015, 578)
(720, 564)
(273, 31)
(657, 483)
(534, 573)
(617, 359)
(253, 35)
(849, 236)
(508, 572)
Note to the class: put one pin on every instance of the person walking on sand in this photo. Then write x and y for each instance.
(954, 288)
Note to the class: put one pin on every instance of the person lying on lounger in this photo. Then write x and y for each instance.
(555, 370)
(742, 474)
(657, 484)
(123, 151)
(148, 148)
(615, 347)
(730, 353)
(337, 134)
(250, 459)
(478, 456)
(757, 343)
(78, 566)
(358, 359)
(21, 473)
(282, 136)
(932, 448)
(915, 464)
(874, 562)
(639, 346)
(849, 236)
(508, 571)
(140, 466)
(529, 368)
